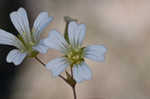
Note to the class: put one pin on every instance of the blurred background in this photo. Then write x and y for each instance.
(121, 25)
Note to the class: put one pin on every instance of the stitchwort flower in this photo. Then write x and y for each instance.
(73, 51)
(27, 42)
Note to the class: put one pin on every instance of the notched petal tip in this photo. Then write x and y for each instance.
(20, 21)
(40, 23)
(16, 57)
(76, 33)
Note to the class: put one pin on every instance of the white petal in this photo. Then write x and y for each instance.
(40, 23)
(41, 47)
(57, 66)
(20, 20)
(76, 33)
(16, 57)
(82, 72)
(7, 38)
(95, 52)
(56, 41)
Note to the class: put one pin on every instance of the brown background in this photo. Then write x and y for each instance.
(121, 25)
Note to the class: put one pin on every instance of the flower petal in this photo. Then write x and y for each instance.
(16, 57)
(57, 66)
(41, 47)
(95, 52)
(82, 72)
(56, 41)
(40, 23)
(76, 33)
(20, 20)
(7, 38)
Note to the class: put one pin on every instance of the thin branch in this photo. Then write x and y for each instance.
(74, 92)
(73, 87)
(40, 61)
(63, 78)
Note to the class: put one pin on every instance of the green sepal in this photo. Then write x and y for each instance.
(67, 20)
(70, 79)
(66, 33)
(33, 54)
(21, 39)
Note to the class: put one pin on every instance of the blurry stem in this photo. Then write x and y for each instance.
(63, 78)
(43, 64)
(71, 71)
(74, 92)
(73, 87)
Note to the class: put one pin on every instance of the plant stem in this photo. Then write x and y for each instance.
(73, 87)
(74, 92)
(71, 71)
(43, 64)
(63, 78)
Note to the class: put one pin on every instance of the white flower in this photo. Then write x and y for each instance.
(74, 53)
(28, 42)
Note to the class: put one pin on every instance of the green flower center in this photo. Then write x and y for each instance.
(75, 56)
(27, 47)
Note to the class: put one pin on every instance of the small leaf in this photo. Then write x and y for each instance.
(70, 79)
